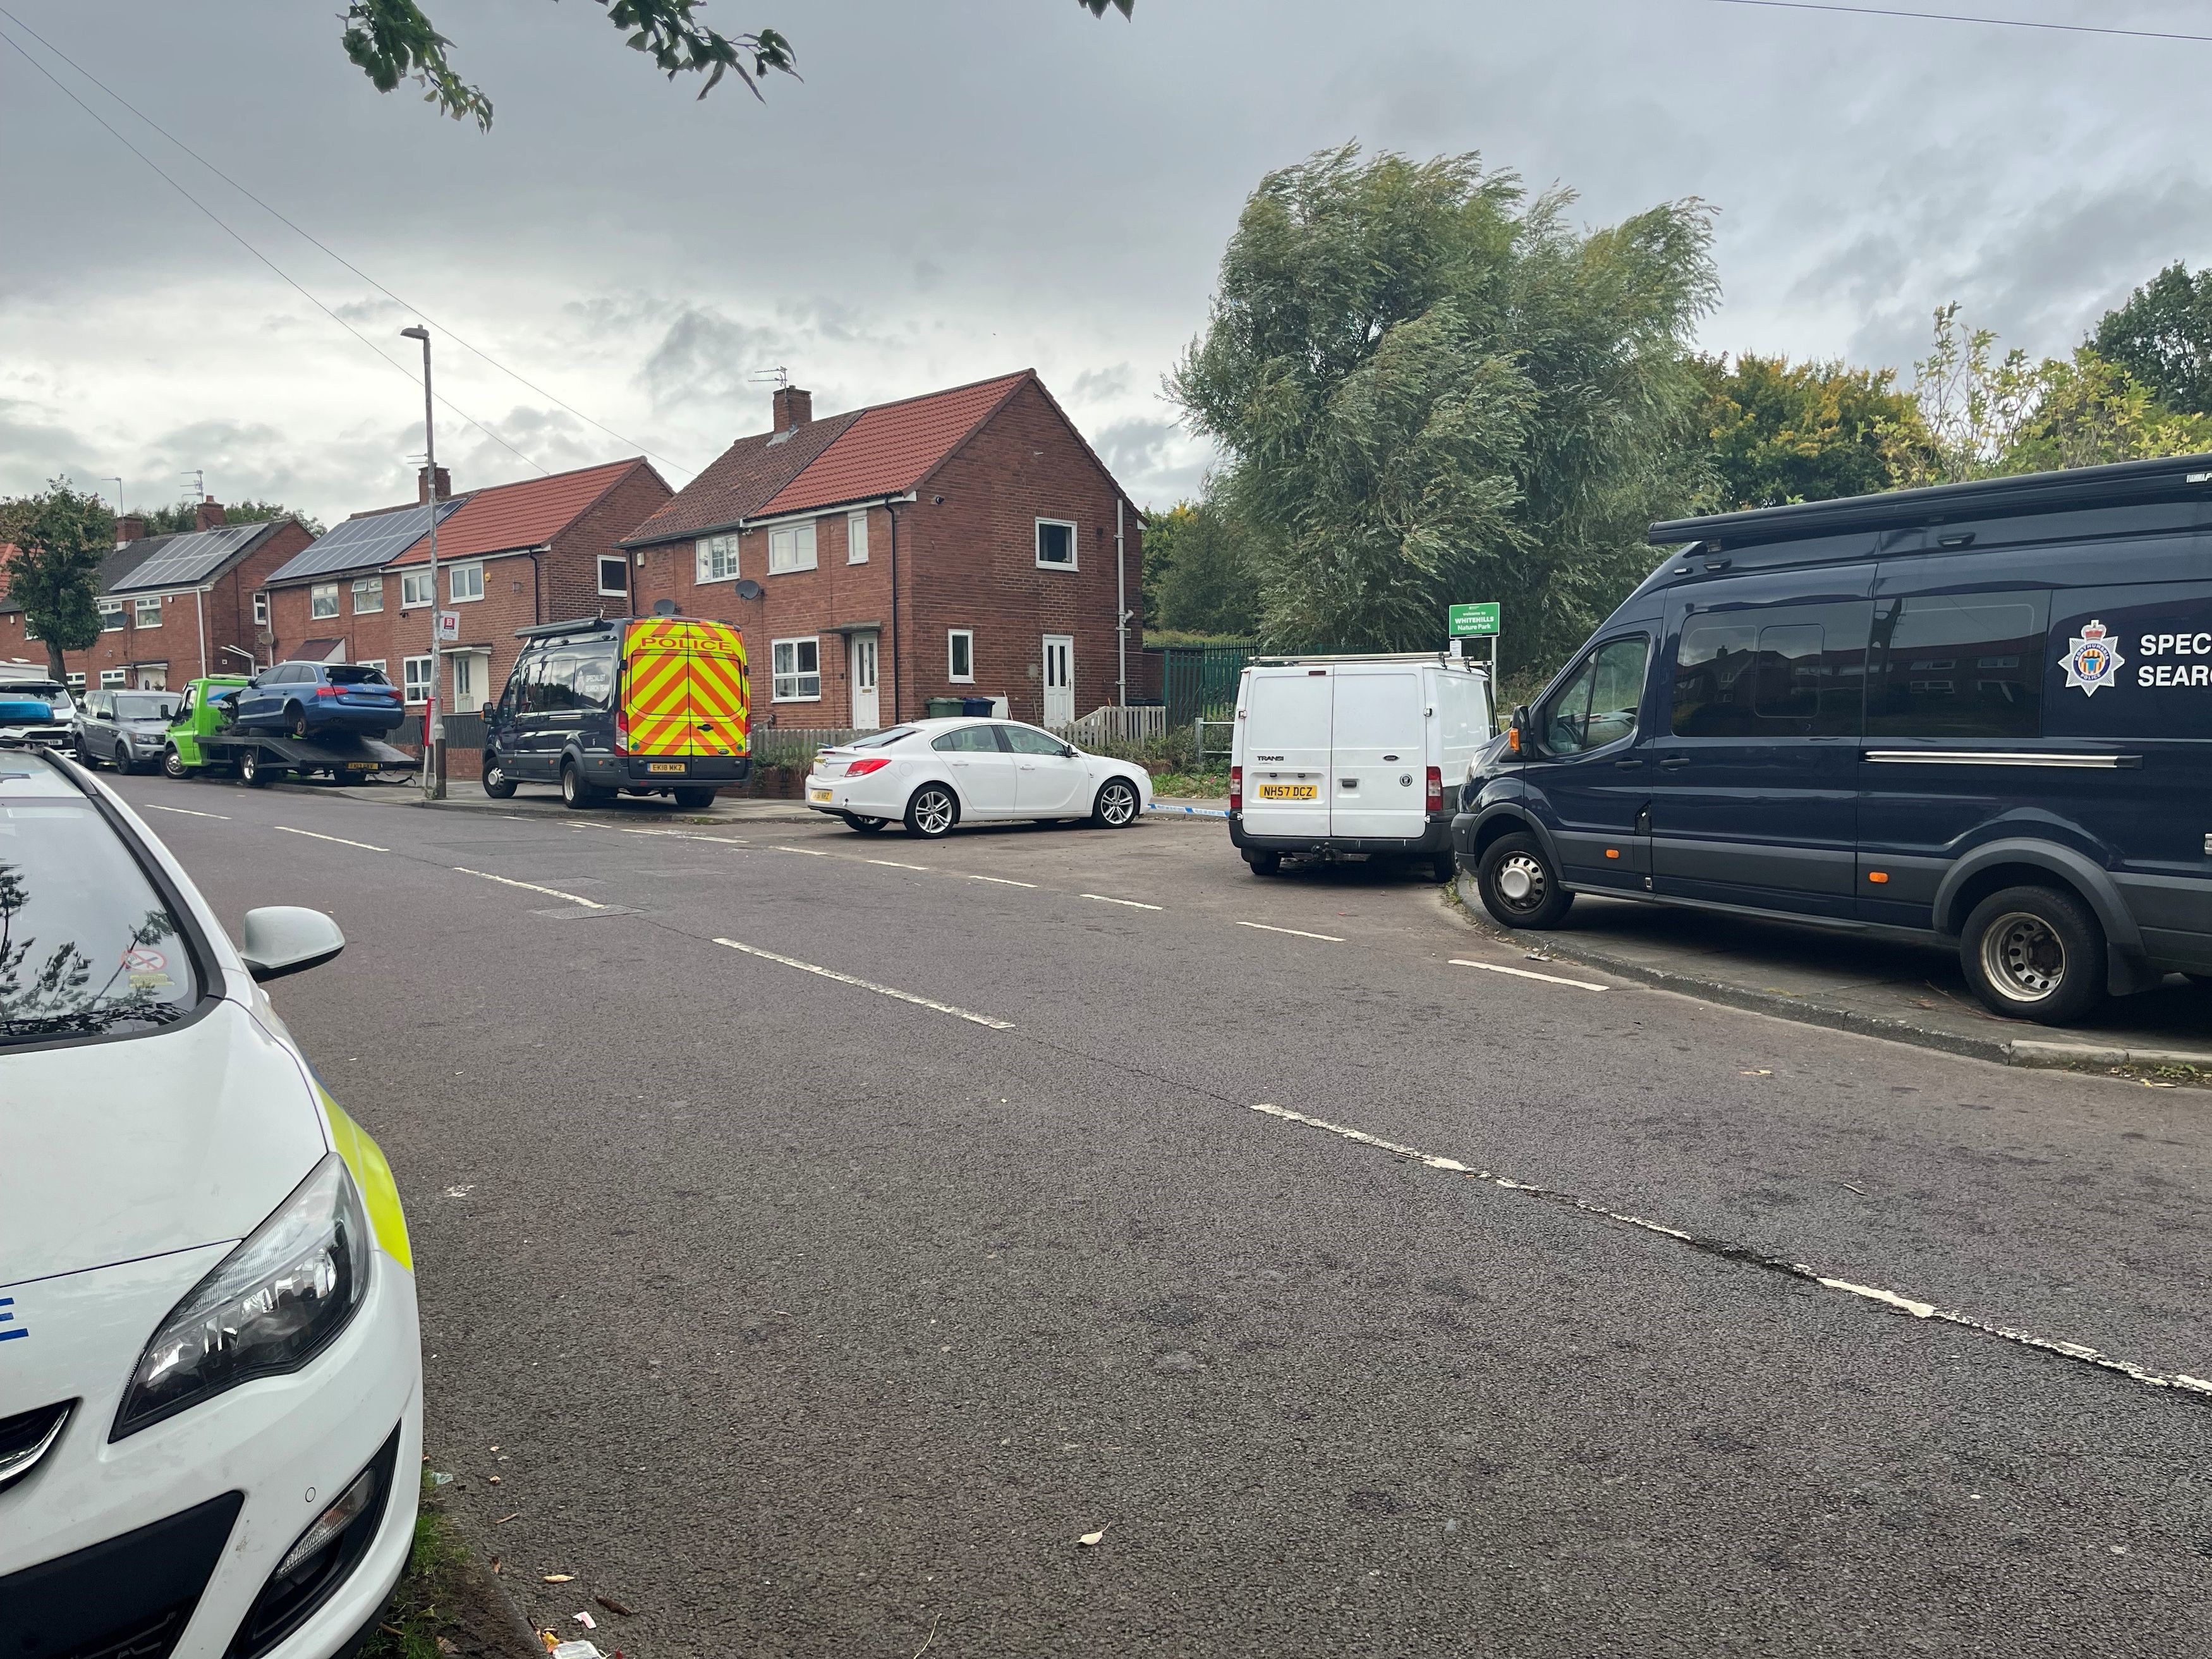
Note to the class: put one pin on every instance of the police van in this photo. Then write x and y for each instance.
(1980, 714)
(641, 705)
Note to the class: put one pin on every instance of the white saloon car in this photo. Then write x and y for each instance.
(931, 774)
(210, 1379)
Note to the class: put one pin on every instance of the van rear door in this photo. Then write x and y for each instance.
(716, 690)
(1379, 752)
(1287, 717)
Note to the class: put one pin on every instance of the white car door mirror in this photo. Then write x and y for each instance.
(287, 938)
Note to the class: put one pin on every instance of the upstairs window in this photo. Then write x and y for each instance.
(368, 594)
(856, 539)
(465, 582)
(147, 612)
(261, 610)
(323, 600)
(614, 575)
(111, 616)
(718, 558)
(790, 548)
(415, 589)
(1055, 544)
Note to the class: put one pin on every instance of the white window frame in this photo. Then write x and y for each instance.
(111, 616)
(621, 590)
(472, 571)
(29, 632)
(795, 676)
(75, 682)
(856, 539)
(1075, 557)
(261, 610)
(141, 605)
(368, 586)
(717, 558)
(415, 589)
(377, 663)
(791, 547)
(115, 679)
(953, 635)
(415, 681)
(322, 601)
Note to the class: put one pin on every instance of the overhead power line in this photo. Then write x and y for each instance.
(1966, 17)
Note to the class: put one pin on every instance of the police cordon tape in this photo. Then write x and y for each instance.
(1189, 811)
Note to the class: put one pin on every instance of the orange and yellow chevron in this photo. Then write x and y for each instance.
(686, 689)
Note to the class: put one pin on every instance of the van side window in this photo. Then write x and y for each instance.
(594, 682)
(1798, 671)
(558, 692)
(1598, 706)
(1959, 665)
(530, 689)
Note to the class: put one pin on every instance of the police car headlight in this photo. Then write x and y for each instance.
(269, 1307)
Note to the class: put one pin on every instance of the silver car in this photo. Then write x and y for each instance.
(125, 729)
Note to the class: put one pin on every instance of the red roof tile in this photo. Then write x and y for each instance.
(893, 447)
(740, 480)
(505, 516)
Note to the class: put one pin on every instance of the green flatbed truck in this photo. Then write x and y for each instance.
(202, 738)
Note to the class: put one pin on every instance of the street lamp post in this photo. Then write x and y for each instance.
(434, 749)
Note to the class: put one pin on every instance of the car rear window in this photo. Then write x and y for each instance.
(88, 945)
(345, 676)
(145, 706)
(879, 739)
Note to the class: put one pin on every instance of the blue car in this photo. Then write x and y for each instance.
(305, 700)
(1979, 715)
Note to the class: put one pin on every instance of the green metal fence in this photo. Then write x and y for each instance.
(1199, 682)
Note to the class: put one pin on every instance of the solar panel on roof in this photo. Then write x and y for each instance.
(188, 559)
(373, 539)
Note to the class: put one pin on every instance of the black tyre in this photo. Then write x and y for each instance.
(933, 811)
(496, 783)
(1117, 805)
(2034, 953)
(1265, 864)
(1519, 885)
(173, 764)
(1443, 867)
(254, 772)
(865, 825)
(575, 791)
(295, 722)
(83, 755)
(697, 798)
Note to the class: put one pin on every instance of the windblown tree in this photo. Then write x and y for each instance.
(1430, 387)
(59, 536)
(1785, 432)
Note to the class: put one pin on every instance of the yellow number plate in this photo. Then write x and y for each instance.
(664, 766)
(1290, 792)
(818, 794)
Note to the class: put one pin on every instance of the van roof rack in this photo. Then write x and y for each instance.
(1287, 659)
(581, 625)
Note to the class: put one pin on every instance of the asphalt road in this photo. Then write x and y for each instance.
(809, 1318)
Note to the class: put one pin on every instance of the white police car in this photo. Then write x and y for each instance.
(210, 1379)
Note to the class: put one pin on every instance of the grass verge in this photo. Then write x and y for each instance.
(446, 1605)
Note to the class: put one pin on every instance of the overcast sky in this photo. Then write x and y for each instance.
(961, 187)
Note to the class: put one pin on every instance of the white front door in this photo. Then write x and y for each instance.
(471, 681)
(866, 710)
(1059, 679)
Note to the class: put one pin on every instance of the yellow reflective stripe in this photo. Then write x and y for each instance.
(372, 1176)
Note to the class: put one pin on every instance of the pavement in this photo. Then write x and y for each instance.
(1061, 1242)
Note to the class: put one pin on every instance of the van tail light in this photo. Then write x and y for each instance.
(622, 730)
(860, 768)
(1236, 788)
(1435, 789)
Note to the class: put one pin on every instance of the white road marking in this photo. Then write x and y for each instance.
(1295, 932)
(721, 840)
(810, 851)
(530, 886)
(2180, 1382)
(1103, 899)
(893, 864)
(186, 811)
(1529, 973)
(869, 985)
(1004, 881)
(340, 840)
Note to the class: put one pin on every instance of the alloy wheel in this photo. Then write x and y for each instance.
(2023, 958)
(933, 811)
(1117, 804)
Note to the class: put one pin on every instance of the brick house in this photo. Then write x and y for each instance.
(509, 555)
(172, 608)
(961, 543)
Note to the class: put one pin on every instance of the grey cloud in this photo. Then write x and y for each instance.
(706, 356)
(1100, 385)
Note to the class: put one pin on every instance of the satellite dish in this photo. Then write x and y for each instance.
(664, 607)
(749, 589)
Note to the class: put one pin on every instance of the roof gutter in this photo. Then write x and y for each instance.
(727, 526)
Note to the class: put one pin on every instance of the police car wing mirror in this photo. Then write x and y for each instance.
(287, 939)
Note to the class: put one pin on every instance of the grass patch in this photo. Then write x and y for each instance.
(431, 1602)
(1204, 786)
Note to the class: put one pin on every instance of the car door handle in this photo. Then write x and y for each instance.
(1674, 764)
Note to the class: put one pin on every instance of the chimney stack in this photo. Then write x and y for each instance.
(422, 485)
(131, 529)
(794, 407)
(208, 515)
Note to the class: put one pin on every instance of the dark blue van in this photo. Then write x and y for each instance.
(1980, 714)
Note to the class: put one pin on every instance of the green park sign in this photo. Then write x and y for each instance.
(1471, 621)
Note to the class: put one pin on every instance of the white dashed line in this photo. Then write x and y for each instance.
(1529, 973)
(2180, 1382)
(340, 840)
(186, 811)
(530, 886)
(893, 864)
(1005, 881)
(811, 853)
(1103, 899)
(1295, 932)
(869, 985)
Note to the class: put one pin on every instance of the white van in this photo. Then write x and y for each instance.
(1337, 756)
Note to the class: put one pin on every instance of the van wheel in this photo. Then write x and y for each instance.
(575, 792)
(496, 783)
(2034, 953)
(866, 826)
(931, 812)
(253, 772)
(1519, 886)
(1443, 867)
(1266, 864)
(1116, 806)
(173, 764)
(694, 799)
